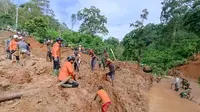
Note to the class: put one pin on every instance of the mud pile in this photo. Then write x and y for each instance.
(189, 69)
(128, 94)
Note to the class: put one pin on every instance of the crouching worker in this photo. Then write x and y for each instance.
(104, 97)
(186, 93)
(111, 72)
(66, 74)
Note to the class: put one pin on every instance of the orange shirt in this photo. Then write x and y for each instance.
(13, 45)
(104, 96)
(56, 50)
(66, 71)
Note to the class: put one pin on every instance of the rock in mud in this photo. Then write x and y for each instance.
(21, 77)
(147, 69)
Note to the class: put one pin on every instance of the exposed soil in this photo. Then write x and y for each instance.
(164, 99)
(128, 95)
(191, 68)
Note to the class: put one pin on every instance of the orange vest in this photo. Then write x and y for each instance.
(56, 50)
(13, 45)
(104, 96)
(66, 71)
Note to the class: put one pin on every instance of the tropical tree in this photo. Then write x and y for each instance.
(73, 19)
(133, 42)
(92, 21)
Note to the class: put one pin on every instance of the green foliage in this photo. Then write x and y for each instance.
(166, 45)
(192, 18)
(73, 17)
(133, 42)
(92, 21)
(6, 19)
(37, 26)
(112, 41)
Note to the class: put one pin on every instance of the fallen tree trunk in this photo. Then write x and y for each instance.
(16, 95)
(10, 96)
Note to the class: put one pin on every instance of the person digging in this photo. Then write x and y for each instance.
(66, 74)
(104, 98)
(111, 72)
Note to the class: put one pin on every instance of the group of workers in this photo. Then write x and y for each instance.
(17, 49)
(66, 72)
(184, 84)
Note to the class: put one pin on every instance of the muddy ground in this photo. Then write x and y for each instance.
(41, 94)
(164, 99)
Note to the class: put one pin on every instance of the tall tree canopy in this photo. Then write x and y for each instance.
(92, 21)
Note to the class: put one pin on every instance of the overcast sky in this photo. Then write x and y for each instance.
(120, 13)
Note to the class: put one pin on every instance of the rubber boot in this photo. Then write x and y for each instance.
(55, 72)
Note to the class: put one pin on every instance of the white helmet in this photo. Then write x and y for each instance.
(20, 38)
(15, 36)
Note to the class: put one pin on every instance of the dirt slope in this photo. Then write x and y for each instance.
(163, 99)
(128, 95)
(190, 69)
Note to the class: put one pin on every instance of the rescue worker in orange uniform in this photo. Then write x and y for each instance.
(56, 55)
(104, 97)
(13, 47)
(66, 71)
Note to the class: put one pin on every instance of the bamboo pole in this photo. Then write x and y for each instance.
(113, 54)
(63, 81)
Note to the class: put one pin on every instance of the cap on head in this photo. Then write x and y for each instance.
(15, 36)
(59, 39)
(69, 58)
(20, 38)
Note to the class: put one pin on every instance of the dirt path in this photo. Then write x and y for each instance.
(163, 99)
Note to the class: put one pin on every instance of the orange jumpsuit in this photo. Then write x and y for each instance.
(105, 98)
(56, 50)
(66, 71)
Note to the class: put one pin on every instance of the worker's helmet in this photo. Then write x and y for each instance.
(20, 38)
(69, 58)
(15, 36)
(59, 39)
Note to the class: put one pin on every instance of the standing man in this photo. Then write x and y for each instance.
(56, 55)
(7, 47)
(176, 83)
(111, 72)
(104, 98)
(77, 61)
(49, 54)
(104, 58)
(28, 48)
(13, 46)
(93, 60)
(22, 49)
